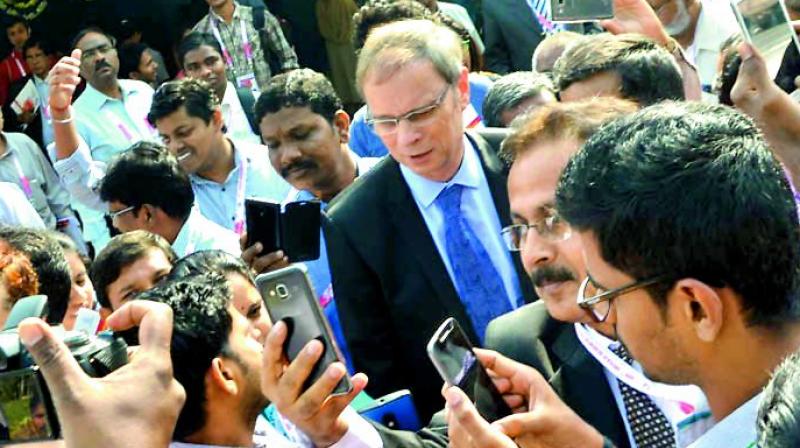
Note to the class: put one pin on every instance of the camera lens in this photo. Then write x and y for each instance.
(282, 290)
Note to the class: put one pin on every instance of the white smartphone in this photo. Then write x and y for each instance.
(765, 24)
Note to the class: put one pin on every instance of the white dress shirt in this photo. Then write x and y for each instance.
(479, 210)
(198, 233)
(235, 118)
(715, 24)
(106, 127)
(737, 430)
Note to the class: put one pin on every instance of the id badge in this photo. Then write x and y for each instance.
(247, 81)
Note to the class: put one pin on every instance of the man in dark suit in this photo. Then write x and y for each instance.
(417, 239)
(511, 33)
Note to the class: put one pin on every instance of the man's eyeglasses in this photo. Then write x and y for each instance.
(100, 49)
(600, 303)
(418, 117)
(552, 228)
(114, 215)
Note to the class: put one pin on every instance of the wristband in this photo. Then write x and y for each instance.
(64, 120)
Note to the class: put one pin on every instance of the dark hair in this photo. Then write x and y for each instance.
(509, 92)
(50, 264)
(205, 261)
(299, 88)
(122, 251)
(148, 174)
(381, 12)
(731, 61)
(779, 412)
(196, 96)
(36, 41)
(690, 190)
(201, 328)
(648, 73)
(68, 245)
(15, 20)
(91, 29)
(193, 41)
(130, 55)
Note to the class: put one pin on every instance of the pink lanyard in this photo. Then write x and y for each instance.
(19, 64)
(241, 186)
(24, 182)
(246, 47)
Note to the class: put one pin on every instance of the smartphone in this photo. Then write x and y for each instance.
(765, 24)
(395, 411)
(26, 412)
(31, 306)
(289, 296)
(293, 229)
(581, 10)
(453, 356)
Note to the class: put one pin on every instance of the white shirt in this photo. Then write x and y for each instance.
(360, 434)
(715, 24)
(479, 210)
(737, 430)
(686, 432)
(235, 118)
(198, 233)
(15, 210)
(106, 127)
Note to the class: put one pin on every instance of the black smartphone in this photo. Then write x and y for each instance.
(289, 296)
(300, 226)
(26, 412)
(263, 224)
(453, 356)
(294, 230)
(581, 10)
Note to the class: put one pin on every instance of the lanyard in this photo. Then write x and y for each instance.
(129, 135)
(24, 182)
(247, 48)
(241, 186)
(630, 376)
(19, 64)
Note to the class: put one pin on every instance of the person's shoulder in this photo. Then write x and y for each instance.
(533, 317)
(370, 189)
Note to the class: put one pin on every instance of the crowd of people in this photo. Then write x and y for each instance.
(608, 210)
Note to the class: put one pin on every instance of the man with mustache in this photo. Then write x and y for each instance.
(700, 27)
(223, 171)
(109, 117)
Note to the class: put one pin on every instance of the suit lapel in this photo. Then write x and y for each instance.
(413, 232)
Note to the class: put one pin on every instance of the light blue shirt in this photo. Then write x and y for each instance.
(479, 210)
(43, 91)
(107, 127)
(198, 233)
(218, 202)
(737, 430)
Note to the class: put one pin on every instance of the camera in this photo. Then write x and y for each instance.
(26, 409)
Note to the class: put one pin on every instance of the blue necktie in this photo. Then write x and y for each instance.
(477, 281)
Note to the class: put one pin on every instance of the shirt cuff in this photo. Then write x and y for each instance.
(360, 433)
(72, 169)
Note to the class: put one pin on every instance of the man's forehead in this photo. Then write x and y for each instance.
(92, 39)
(201, 52)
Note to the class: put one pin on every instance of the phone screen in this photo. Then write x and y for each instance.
(765, 24)
(300, 230)
(263, 224)
(451, 353)
(24, 414)
(289, 296)
(581, 10)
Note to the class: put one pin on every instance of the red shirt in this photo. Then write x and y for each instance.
(12, 68)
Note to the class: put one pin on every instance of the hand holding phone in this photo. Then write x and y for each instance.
(293, 229)
(765, 24)
(455, 360)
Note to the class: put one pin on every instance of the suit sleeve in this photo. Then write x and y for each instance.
(362, 311)
(432, 436)
(497, 56)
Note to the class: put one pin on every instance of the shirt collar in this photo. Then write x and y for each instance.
(737, 429)
(236, 13)
(425, 191)
(9, 149)
(238, 152)
(96, 99)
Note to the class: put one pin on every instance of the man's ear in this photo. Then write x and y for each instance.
(341, 124)
(701, 306)
(463, 88)
(217, 119)
(222, 377)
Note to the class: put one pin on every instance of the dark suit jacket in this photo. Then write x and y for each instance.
(391, 286)
(530, 336)
(510, 33)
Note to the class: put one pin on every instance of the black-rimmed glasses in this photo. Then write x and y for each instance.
(600, 303)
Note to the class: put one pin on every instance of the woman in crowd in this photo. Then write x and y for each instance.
(82, 293)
